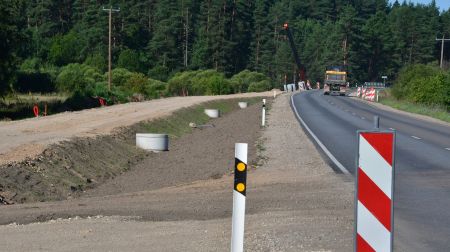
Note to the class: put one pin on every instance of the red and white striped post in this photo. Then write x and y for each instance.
(374, 191)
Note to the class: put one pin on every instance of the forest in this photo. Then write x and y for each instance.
(49, 46)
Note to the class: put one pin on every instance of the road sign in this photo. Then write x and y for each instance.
(384, 77)
(374, 191)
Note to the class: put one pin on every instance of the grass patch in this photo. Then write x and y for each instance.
(438, 112)
(177, 124)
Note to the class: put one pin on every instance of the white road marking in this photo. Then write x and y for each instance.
(447, 149)
(418, 138)
(327, 152)
(362, 117)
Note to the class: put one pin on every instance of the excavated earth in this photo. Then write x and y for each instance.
(82, 165)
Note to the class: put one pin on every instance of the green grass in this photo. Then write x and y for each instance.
(177, 124)
(34, 98)
(438, 112)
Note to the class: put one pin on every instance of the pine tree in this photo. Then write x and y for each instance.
(11, 37)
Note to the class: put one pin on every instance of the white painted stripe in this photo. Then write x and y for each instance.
(447, 149)
(374, 165)
(325, 150)
(240, 151)
(238, 221)
(372, 231)
(418, 138)
(362, 117)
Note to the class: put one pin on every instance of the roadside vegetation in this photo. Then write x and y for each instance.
(421, 89)
(78, 86)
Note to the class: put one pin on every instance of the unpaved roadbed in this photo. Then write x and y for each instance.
(29, 137)
(295, 202)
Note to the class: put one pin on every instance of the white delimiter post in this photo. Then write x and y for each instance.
(239, 192)
(263, 120)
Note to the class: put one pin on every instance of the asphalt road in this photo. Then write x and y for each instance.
(422, 165)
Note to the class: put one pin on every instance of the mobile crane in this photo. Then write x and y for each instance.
(300, 68)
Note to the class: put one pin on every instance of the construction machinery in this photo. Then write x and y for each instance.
(300, 68)
(335, 82)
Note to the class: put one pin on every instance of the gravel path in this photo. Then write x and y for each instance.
(295, 202)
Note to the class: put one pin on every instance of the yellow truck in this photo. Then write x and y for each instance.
(335, 82)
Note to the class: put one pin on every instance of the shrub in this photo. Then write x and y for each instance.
(200, 82)
(97, 61)
(160, 73)
(137, 83)
(241, 82)
(119, 76)
(209, 82)
(423, 84)
(77, 77)
(260, 86)
(156, 89)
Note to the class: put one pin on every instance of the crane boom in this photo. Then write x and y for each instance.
(300, 67)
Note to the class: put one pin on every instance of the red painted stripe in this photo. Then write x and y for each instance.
(375, 200)
(382, 143)
(362, 245)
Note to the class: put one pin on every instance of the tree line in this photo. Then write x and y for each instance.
(160, 38)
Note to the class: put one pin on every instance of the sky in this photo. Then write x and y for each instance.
(442, 4)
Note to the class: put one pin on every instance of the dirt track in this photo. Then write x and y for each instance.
(29, 137)
(295, 202)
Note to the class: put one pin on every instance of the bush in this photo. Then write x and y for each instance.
(119, 76)
(260, 86)
(200, 82)
(97, 61)
(160, 73)
(423, 84)
(77, 77)
(209, 82)
(156, 89)
(241, 82)
(137, 83)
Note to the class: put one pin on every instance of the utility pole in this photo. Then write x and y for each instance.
(110, 10)
(187, 39)
(443, 39)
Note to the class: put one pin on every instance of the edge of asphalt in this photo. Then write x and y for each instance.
(330, 156)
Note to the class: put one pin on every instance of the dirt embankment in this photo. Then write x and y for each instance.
(30, 137)
(70, 168)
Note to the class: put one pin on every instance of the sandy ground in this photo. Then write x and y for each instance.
(295, 202)
(28, 138)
